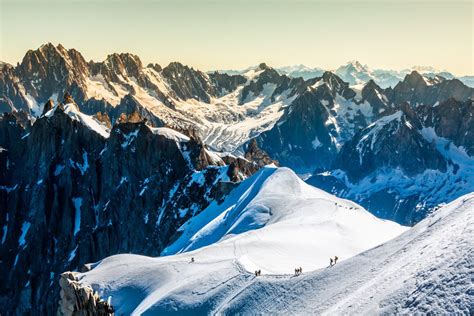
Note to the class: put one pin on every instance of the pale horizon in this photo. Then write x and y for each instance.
(224, 35)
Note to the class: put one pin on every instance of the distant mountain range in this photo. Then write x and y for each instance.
(89, 151)
(355, 73)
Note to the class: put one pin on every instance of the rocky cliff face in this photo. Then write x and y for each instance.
(417, 89)
(407, 162)
(78, 299)
(51, 71)
(188, 83)
(319, 121)
(269, 77)
(391, 142)
(73, 195)
(225, 83)
(452, 120)
(11, 96)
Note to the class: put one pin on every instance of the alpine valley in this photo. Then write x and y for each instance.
(163, 189)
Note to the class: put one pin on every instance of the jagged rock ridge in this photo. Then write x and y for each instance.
(74, 190)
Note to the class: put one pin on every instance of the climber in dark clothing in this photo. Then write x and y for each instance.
(330, 262)
(335, 259)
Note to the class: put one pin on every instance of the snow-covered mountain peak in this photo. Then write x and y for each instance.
(353, 65)
(274, 224)
(275, 202)
(294, 68)
(354, 73)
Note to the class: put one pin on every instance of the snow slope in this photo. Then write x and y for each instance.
(426, 269)
(273, 222)
(281, 204)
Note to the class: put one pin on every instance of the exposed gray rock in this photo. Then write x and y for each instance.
(417, 90)
(188, 83)
(80, 300)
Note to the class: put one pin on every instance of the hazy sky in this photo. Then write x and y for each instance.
(235, 34)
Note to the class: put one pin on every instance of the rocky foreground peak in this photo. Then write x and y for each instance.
(255, 154)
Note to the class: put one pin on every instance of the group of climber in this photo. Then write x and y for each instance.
(298, 271)
(351, 208)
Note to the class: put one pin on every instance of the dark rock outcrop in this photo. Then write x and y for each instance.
(258, 156)
(225, 83)
(243, 167)
(188, 83)
(392, 142)
(302, 134)
(129, 105)
(452, 119)
(418, 90)
(77, 299)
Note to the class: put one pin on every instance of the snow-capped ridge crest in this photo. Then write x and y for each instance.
(71, 109)
(271, 197)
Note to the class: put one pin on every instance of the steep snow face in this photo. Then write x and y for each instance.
(170, 134)
(272, 222)
(425, 269)
(73, 112)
